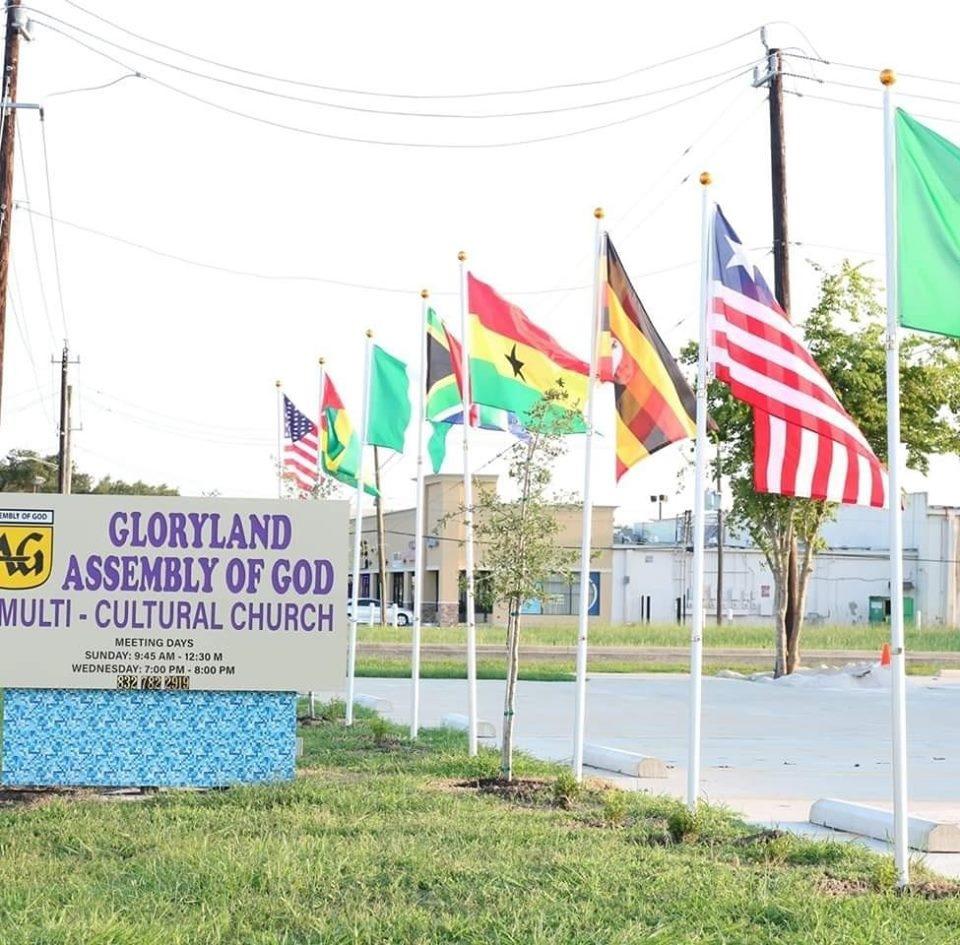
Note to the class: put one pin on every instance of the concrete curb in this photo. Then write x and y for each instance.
(623, 762)
(461, 723)
(928, 836)
(381, 706)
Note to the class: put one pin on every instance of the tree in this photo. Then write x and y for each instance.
(518, 537)
(845, 334)
(28, 471)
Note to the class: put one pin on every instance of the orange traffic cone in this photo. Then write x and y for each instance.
(885, 655)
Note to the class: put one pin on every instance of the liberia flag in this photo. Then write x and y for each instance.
(805, 443)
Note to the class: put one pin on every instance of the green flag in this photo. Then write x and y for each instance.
(928, 228)
(437, 444)
(389, 401)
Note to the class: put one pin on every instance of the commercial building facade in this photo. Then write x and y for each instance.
(652, 571)
(444, 564)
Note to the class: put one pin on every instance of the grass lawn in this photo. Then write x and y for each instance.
(859, 637)
(374, 843)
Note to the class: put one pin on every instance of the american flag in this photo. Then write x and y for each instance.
(300, 447)
(805, 443)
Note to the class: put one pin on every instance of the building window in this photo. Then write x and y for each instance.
(561, 597)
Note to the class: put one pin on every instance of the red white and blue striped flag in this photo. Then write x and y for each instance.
(300, 447)
(805, 443)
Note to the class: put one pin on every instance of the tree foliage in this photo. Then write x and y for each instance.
(846, 335)
(26, 471)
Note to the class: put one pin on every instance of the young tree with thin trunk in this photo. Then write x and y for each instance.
(517, 540)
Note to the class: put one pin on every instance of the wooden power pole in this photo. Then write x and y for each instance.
(65, 461)
(773, 79)
(11, 62)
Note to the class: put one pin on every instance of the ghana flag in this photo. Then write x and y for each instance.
(444, 401)
(655, 405)
(514, 363)
(339, 442)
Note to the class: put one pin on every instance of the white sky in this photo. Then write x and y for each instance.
(178, 363)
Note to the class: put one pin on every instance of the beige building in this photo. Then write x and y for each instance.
(444, 559)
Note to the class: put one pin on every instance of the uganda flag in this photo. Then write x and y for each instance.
(339, 442)
(514, 363)
(655, 405)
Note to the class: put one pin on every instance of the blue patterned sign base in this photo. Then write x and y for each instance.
(102, 737)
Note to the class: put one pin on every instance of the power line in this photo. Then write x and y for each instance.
(95, 88)
(873, 108)
(53, 228)
(443, 95)
(874, 69)
(299, 277)
(24, 336)
(444, 145)
(33, 239)
(392, 112)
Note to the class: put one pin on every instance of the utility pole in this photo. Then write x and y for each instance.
(11, 62)
(381, 547)
(65, 471)
(773, 80)
(778, 179)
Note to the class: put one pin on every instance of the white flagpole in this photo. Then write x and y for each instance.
(357, 529)
(586, 528)
(468, 515)
(897, 654)
(418, 527)
(700, 482)
(321, 362)
(280, 426)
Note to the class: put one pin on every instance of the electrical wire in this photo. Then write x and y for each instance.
(94, 88)
(178, 432)
(873, 108)
(25, 338)
(442, 145)
(53, 227)
(245, 87)
(33, 239)
(444, 95)
(875, 70)
(293, 277)
(240, 431)
(872, 90)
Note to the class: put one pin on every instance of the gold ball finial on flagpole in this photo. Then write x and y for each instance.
(424, 293)
(706, 179)
(888, 77)
(598, 213)
(462, 256)
(369, 332)
(322, 361)
(279, 385)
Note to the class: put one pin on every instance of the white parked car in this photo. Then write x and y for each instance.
(368, 612)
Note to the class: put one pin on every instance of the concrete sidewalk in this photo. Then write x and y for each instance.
(768, 752)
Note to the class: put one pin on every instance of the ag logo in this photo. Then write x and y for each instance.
(26, 548)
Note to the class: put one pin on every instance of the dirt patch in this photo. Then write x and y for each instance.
(935, 889)
(28, 798)
(923, 889)
(526, 791)
(832, 886)
(760, 838)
